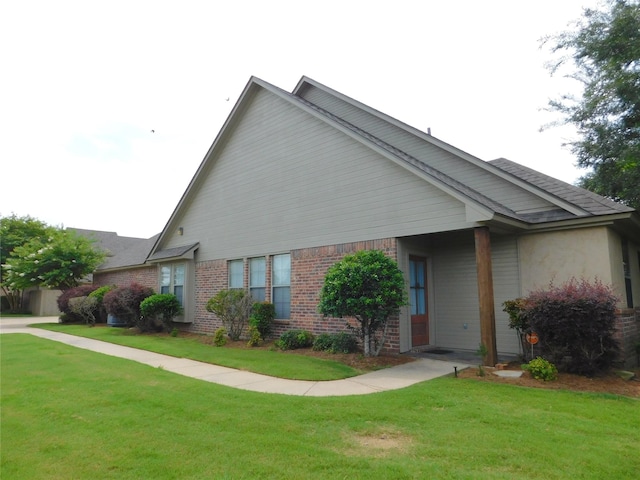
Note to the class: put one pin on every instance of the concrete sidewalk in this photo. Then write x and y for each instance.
(379, 381)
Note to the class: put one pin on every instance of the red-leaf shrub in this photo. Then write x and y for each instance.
(124, 302)
(575, 323)
(63, 302)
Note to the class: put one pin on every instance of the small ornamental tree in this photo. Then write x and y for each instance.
(368, 286)
(59, 261)
(233, 308)
(86, 308)
(15, 232)
(162, 307)
(575, 323)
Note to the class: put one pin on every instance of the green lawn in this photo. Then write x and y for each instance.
(274, 363)
(69, 413)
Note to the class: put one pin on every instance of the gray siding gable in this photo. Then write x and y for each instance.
(277, 148)
(513, 194)
(286, 179)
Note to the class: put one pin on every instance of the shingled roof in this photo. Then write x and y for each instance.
(121, 252)
(589, 201)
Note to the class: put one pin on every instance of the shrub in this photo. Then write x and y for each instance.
(63, 303)
(99, 294)
(575, 323)
(85, 308)
(322, 342)
(220, 337)
(541, 369)
(233, 308)
(293, 339)
(255, 338)
(262, 315)
(162, 308)
(341, 342)
(124, 303)
(518, 321)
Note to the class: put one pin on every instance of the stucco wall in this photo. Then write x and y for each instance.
(556, 257)
(44, 302)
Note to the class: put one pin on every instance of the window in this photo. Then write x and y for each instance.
(417, 284)
(172, 280)
(257, 278)
(626, 266)
(236, 274)
(281, 285)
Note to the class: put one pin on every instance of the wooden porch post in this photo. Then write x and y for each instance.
(485, 294)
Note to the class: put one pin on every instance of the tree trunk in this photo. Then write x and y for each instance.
(382, 340)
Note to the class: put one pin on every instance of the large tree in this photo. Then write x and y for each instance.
(60, 259)
(603, 54)
(14, 232)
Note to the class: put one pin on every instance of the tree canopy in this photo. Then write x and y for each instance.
(368, 286)
(14, 232)
(35, 254)
(603, 54)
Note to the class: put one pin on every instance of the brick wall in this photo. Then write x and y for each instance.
(628, 335)
(308, 269)
(210, 277)
(145, 276)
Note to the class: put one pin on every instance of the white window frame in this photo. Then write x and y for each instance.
(235, 279)
(258, 278)
(281, 285)
(173, 278)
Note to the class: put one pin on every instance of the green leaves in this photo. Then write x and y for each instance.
(605, 52)
(58, 259)
(368, 286)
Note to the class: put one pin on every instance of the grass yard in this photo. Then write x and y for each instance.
(267, 362)
(70, 413)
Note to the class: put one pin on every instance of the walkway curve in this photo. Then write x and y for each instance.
(378, 381)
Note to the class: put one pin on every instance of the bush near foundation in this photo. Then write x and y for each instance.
(262, 315)
(575, 323)
(293, 339)
(233, 308)
(341, 342)
(68, 315)
(124, 304)
(160, 309)
(98, 294)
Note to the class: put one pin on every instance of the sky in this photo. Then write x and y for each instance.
(107, 108)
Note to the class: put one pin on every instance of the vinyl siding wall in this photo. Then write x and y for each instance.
(285, 180)
(494, 187)
(455, 292)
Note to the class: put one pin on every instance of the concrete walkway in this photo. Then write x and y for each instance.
(379, 381)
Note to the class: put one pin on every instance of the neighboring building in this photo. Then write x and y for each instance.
(294, 181)
(126, 257)
(128, 252)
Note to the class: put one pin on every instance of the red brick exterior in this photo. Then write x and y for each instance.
(628, 335)
(308, 269)
(145, 276)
